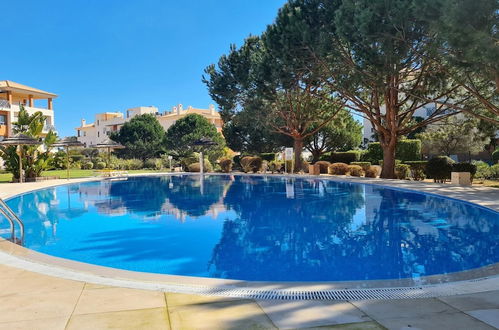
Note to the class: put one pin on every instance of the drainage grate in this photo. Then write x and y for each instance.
(422, 291)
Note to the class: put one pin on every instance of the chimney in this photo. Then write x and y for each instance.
(180, 109)
(83, 122)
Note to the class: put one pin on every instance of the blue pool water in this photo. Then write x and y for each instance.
(259, 228)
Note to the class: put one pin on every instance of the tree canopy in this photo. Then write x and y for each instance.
(181, 136)
(143, 136)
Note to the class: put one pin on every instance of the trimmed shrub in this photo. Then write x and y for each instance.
(338, 169)
(482, 170)
(195, 167)
(153, 164)
(402, 171)
(418, 169)
(371, 172)
(100, 165)
(355, 170)
(275, 166)
(364, 165)
(323, 165)
(345, 157)
(268, 156)
(304, 166)
(439, 168)
(494, 171)
(495, 156)
(465, 167)
(87, 165)
(133, 164)
(251, 164)
(226, 165)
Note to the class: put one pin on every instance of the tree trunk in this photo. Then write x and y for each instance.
(388, 169)
(316, 155)
(298, 147)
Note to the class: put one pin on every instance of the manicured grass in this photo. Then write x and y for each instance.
(488, 183)
(74, 173)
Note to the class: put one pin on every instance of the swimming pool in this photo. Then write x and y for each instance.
(261, 228)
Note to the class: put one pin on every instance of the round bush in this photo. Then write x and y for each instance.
(355, 170)
(482, 170)
(304, 166)
(194, 167)
(371, 172)
(465, 167)
(226, 165)
(323, 166)
(402, 171)
(439, 168)
(251, 164)
(87, 165)
(338, 169)
(100, 165)
(275, 166)
(494, 171)
(364, 165)
(418, 169)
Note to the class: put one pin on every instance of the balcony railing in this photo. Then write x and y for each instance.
(48, 127)
(4, 104)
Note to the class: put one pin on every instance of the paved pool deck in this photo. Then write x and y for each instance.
(31, 300)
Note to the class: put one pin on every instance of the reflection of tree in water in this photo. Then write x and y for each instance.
(403, 235)
(276, 237)
(185, 193)
(42, 210)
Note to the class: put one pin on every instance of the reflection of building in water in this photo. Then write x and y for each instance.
(98, 196)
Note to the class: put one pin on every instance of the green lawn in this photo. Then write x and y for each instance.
(7, 177)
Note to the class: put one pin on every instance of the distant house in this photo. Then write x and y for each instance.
(13, 94)
(107, 122)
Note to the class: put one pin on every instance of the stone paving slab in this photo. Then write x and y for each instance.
(156, 318)
(305, 314)
(489, 316)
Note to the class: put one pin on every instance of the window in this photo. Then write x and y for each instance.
(78, 133)
(3, 120)
(98, 134)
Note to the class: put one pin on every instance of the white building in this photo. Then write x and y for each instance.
(107, 122)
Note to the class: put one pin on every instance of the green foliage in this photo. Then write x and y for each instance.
(251, 164)
(495, 156)
(143, 137)
(402, 171)
(406, 150)
(341, 134)
(100, 165)
(226, 165)
(454, 135)
(494, 171)
(181, 136)
(345, 157)
(87, 165)
(439, 168)
(195, 167)
(364, 165)
(418, 169)
(482, 170)
(355, 170)
(34, 160)
(465, 167)
(153, 163)
(269, 156)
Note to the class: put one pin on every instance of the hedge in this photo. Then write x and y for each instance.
(364, 165)
(268, 156)
(418, 169)
(406, 150)
(346, 157)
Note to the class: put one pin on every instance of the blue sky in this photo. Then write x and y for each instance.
(108, 55)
